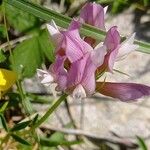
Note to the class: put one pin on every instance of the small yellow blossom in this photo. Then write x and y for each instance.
(7, 79)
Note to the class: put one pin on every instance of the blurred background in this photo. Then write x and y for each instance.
(104, 123)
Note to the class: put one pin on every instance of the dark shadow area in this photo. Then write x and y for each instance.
(142, 28)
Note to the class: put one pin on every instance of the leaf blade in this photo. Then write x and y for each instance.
(20, 140)
(4, 123)
(28, 57)
(64, 21)
(20, 126)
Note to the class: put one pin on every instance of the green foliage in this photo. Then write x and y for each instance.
(146, 2)
(3, 122)
(64, 21)
(57, 139)
(20, 126)
(35, 119)
(20, 20)
(3, 107)
(142, 143)
(20, 140)
(117, 6)
(46, 45)
(30, 54)
(1, 2)
(2, 31)
(2, 56)
(28, 57)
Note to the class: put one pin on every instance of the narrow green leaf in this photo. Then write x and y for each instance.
(28, 57)
(3, 121)
(20, 20)
(35, 119)
(142, 143)
(121, 72)
(20, 126)
(63, 21)
(3, 107)
(20, 140)
(50, 111)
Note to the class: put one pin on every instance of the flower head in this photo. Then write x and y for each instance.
(69, 42)
(79, 63)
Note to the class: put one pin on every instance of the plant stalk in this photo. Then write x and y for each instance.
(50, 111)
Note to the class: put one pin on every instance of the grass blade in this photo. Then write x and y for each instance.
(142, 143)
(63, 21)
(20, 140)
(20, 126)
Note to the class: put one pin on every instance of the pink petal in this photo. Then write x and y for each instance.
(88, 79)
(62, 82)
(89, 83)
(82, 72)
(112, 39)
(112, 42)
(123, 91)
(76, 72)
(93, 14)
(75, 25)
(59, 72)
(58, 66)
(109, 61)
(74, 46)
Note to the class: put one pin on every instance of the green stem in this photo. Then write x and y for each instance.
(50, 111)
(20, 89)
(64, 21)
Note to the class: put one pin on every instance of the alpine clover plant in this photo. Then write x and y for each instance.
(80, 61)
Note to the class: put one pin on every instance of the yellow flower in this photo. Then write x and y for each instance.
(7, 79)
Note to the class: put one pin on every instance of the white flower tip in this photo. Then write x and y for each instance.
(130, 40)
(79, 92)
(45, 77)
(105, 9)
(127, 46)
(52, 28)
(40, 72)
(53, 24)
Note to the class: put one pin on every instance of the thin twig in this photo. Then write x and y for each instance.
(12, 43)
(91, 136)
(69, 114)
